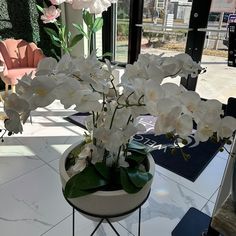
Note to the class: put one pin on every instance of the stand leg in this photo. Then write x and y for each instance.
(97, 227)
(112, 227)
(73, 221)
(139, 221)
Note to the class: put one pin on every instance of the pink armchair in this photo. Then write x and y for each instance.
(18, 57)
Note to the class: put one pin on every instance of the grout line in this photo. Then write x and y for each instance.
(55, 225)
(213, 195)
(205, 206)
(126, 229)
(52, 166)
(19, 176)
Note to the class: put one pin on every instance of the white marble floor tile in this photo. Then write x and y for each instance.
(16, 159)
(51, 142)
(32, 204)
(84, 227)
(167, 204)
(225, 153)
(207, 183)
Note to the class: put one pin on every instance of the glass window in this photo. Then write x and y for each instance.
(219, 80)
(165, 25)
(122, 32)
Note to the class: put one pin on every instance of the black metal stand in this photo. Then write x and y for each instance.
(106, 217)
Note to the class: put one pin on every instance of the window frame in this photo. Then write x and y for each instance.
(195, 39)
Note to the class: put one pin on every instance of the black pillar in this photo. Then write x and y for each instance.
(135, 32)
(195, 40)
(109, 31)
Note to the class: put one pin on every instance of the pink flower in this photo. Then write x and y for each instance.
(58, 2)
(50, 14)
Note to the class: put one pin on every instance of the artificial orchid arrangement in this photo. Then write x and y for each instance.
(108, 157)
(62, 37)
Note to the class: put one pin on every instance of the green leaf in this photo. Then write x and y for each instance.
(55, 38)
(137, 177)
(97, 25)
(126, 183)
(39, 8)
(76, 39)
(80, 29)
(78, 193)
(103, 170)
(136, 145)
(50, 31)
(58, 58)
(55, 43)
(107, 54)
(63, 32)
(88, 18)
(87, 179)
(136, 157)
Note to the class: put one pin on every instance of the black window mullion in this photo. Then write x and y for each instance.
(195, 40)
(135, 32)
(109, 32)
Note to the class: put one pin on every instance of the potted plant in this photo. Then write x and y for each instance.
(108, 159)
(108, 162)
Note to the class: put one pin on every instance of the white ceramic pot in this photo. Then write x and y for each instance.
(106, 203)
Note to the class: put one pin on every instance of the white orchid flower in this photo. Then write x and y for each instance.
(132, 129)
(166, 121)
(46, 66)
(89, 102)
(13, 122)
(93, 6)
(132, 72)
(15, 103)
(184, 125)
(166, 105)
(114, 141)
(153, 91)
(23, 87)
(214, 107)
(227, 127)
(190, 100)
(173, 90)
(171, 67)
(42, 87)
(121, 118)
(189, 67)
(69, 92)
(58, 70)
(207, 126)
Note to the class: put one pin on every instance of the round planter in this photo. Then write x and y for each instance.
(106, 203)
